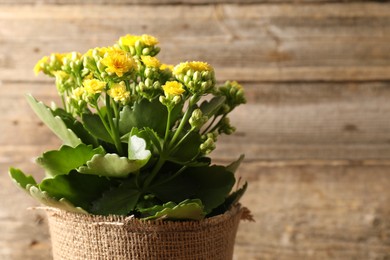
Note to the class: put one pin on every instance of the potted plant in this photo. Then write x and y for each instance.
(133, 179)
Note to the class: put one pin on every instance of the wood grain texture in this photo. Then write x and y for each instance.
(283, 42)
(316, 212)
(164, 2)
(315, 131)
(284, 120)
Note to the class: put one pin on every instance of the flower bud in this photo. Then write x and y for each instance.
(148, 72)
(132, 50)
(208, 146)
(148, 83)
(162, 99)
(225, 127)
(156, 85)
(176, 100)
(197, 120)
(100, 66)
(104, 75)
(187, 79)
(196, 76)
(145, 51)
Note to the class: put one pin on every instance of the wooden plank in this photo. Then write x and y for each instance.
(316, 212)
(303, 210)
(267, 42)
(163, 2)
(289, 120)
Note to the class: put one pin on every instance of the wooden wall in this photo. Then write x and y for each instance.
(315, 131)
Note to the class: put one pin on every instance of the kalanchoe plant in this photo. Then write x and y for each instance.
(136, 134)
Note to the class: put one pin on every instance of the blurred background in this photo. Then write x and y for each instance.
(315, 130)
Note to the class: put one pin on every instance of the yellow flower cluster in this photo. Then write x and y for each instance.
(197, 76)
(130, 66)
(40, 64)
(118, 62)
(119, 93)
(94, 86)
(78, 93)
(173, 88)
(131, 40)
(183, 67)
(166, 67)
(149, 61)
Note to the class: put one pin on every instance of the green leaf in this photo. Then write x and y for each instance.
(21, 179)
(144, 114)
(188, 149)
(209, 108)
(153, 137)
(149, 135)
(210, 184)
(110, 165)
(76, 127)
(234, 165)
(236, 196)
(67, 158)
(137, 151)
(55, 123)
(79, 189)
(44, 198)
(185, 210)
(119, 201)
(28, 184)
(232, 199)
(95, 126)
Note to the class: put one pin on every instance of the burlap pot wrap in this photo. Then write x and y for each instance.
(88, 237)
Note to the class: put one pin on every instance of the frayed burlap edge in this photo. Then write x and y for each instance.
(88, 237)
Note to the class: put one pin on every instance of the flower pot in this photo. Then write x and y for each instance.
(77, 236)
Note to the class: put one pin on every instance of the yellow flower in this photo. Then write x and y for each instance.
(180, 68)
(200, 66)
(236, 85)
(183, 67)
(118, 62)
(173, 88)
(99, 50)
(72, 56)
(78, 93)
(39, 66)
(58, 56)
(129, 40)
(149, 40)
(60, 75)
(89, 76)
(94, 86)
(166, 67)
(150, 61)
(119, 92)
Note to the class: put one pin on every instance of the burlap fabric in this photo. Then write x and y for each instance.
(88, 237)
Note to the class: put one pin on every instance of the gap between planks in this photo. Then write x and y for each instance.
(32, 150)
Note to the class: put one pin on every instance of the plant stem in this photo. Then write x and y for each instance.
(165, 148)
(155, 170)
(208, 127)
(181, 140)
(63, 102)
(216, 125)
(173, 176)
(184, 120)
(107, 127)
(114, 129)
(169, 108)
